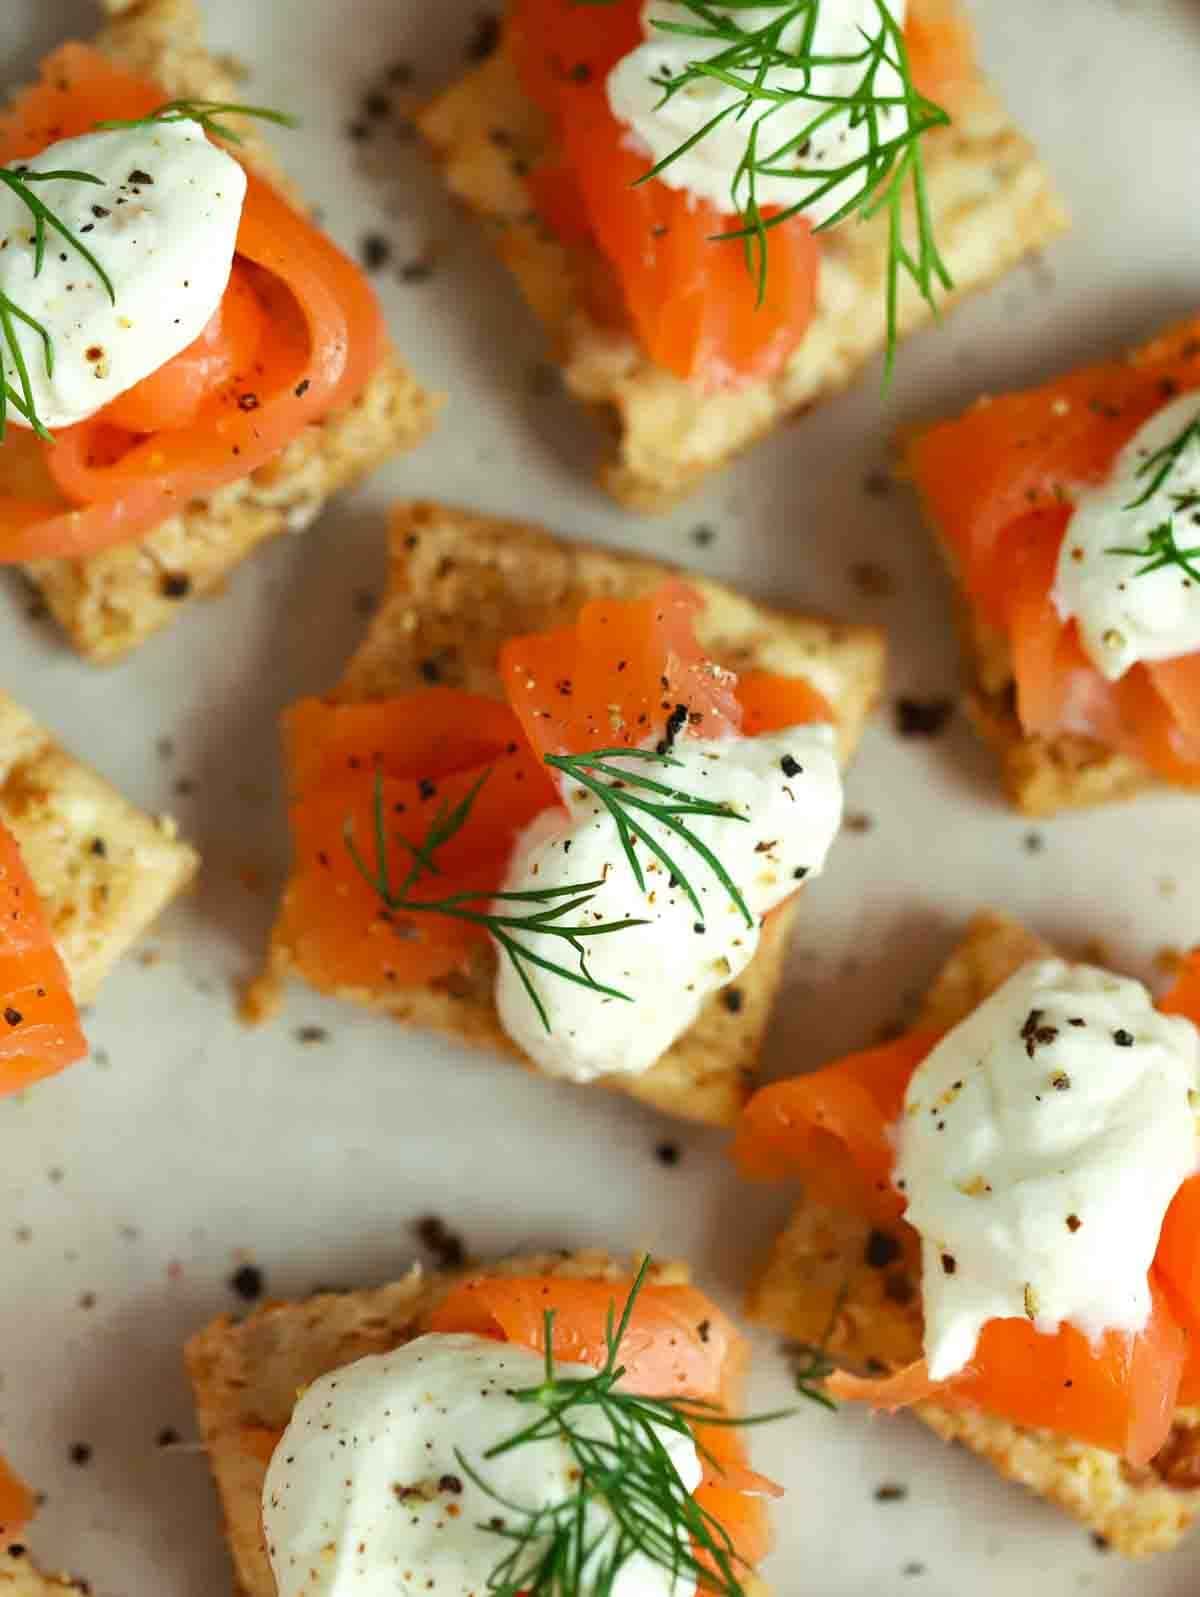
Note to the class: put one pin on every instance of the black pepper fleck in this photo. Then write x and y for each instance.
(175, 585)
(891, 1492)
(668, 1153)
(1123, 1038)
(789, 766)
(923, 718)
(247, 1282)
(733, 998)
(375, 252)
(80, 1454)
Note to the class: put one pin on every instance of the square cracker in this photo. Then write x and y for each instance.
(112, 601)
(459, 585)
(821, 1258)
(245, 1377)
(20, 1577)
(102, 867)
(991, 201)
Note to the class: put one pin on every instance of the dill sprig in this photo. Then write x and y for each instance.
(627, 796)
(622, 1471)
(889, 174)
(1161, 548)
(19, 181)
(208, 113)
(1159, 551)
(548, 918)
(1159, 466)
(811, 1363)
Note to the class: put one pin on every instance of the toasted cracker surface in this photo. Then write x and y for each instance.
(20, 1577)
(245, 1376)
(103, 868)
(459, 585)
(114, 600)
(991, 201)
(818, 1282)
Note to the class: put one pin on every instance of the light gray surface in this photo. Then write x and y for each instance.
(145, 1175)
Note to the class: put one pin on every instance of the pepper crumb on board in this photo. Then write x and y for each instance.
(375, 251)
(167, 1437)
(80, 1453)
(416, 271)
(446, 1246)
(248, 1282)
(703, 535)
(858, 821)
(1100, 1543)
(311, 1034)
(1033, 842)
(877, 484)
(923, 718)
(913, 1567)
(668, 1153)
(891, 1492)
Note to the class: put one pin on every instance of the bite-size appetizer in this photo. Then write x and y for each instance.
(721, 212)
(1069, 516)
(102, 869)
(561, 804)
(550, 1424)
(187, 364)
(1001, 1227)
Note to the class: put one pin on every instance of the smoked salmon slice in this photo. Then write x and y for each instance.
(833, 1127)
(424, 753)
(1120, 1396)
(39, 1024)
(298, 335)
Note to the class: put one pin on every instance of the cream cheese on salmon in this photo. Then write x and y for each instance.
(367, 1494)
(162, 222)
(785, 791)
(1126, 615)
(658, 127)
(1040, 1146)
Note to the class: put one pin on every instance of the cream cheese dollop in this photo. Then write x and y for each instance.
(787, 787)
(708, 169)
(1040, 1146)
(1124, 618)
(366, 1494)
(162, 222)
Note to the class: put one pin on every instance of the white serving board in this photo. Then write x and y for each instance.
(189, 1145)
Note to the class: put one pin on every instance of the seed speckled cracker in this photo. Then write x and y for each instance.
(460, 584)
(830, 1268)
